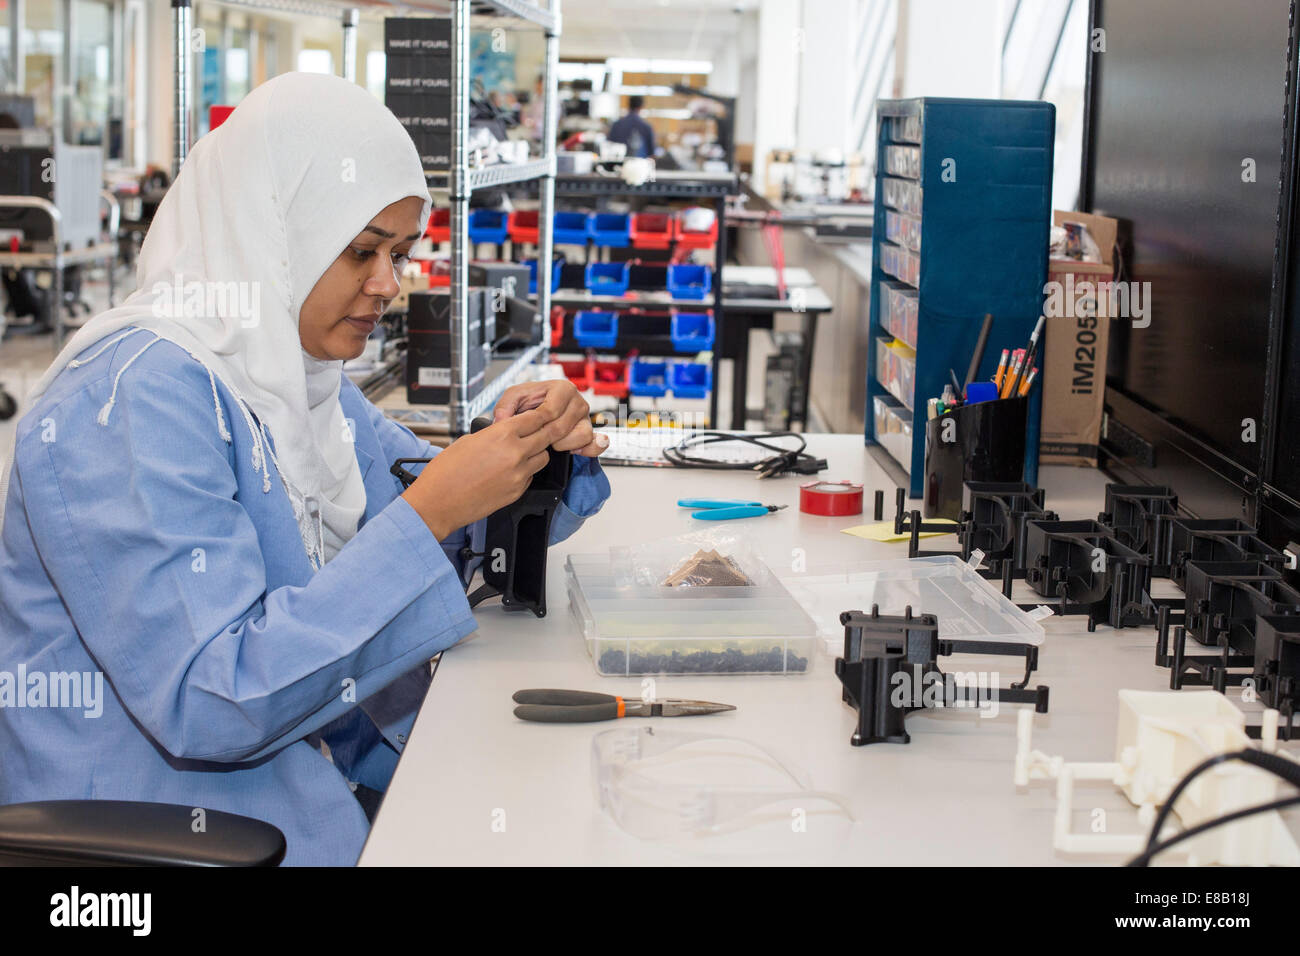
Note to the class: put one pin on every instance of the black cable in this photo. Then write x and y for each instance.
(1277, 765)
(784, 460)
(1145, 858)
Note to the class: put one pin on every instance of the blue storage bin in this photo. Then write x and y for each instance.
(488, 225)
(596, 330)
(687, 281)
(691, 380)
(607, 278)
(556, 267)
(648, 378)
(610, 228)
(692, 331)
(570, 228)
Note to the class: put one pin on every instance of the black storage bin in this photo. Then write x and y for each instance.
(984, 442)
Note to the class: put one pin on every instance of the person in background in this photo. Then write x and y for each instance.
(633, 131)
(531, 116)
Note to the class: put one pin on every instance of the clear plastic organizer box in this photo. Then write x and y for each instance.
(903, 229)
(903, 161)
(899, 311)
(968, 606)
(902, 194)
(900, 263)
(633, 629)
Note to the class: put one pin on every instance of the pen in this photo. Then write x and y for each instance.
(978, 355)
(1030, 354)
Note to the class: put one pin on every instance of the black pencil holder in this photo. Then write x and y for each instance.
(980, 442)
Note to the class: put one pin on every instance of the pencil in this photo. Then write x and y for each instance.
(1002, 367)
(1013, 370)
(1028, 383)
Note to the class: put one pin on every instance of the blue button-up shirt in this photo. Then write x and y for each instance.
(163, 636)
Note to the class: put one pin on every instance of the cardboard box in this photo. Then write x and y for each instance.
(1076, 336)
(406, 285)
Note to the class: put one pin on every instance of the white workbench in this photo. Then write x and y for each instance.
(946, 798)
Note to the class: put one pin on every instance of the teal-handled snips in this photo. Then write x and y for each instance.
(723, 510)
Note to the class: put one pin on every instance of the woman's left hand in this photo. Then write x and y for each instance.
(559, 399)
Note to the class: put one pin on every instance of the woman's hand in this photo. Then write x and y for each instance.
(480, 473)
(558, 400)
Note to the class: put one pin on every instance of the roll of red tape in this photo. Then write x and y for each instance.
(831, 499)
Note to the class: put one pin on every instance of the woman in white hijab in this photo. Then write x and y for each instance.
(200, 521)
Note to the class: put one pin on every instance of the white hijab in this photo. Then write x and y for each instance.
(268, 201)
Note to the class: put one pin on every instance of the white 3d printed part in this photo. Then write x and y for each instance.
(1163, 735)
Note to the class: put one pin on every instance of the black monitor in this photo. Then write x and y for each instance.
(1184, 144)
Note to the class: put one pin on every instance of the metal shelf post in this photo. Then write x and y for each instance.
(182, 20)
(459, 202)
(462, 182)
(351, 17)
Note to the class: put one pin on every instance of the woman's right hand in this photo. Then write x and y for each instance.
(483, 472)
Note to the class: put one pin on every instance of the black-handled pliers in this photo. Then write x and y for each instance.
(580, 706)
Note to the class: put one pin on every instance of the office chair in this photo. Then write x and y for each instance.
(127, 833)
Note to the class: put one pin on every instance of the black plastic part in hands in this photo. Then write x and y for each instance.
(518, 535)
(126, 833)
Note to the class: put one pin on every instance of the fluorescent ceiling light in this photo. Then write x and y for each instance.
(647, 90)
(629, 65)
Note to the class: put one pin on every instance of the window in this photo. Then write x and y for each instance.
(315, 61)
(42, 45)
(376, 68)
(92, 103)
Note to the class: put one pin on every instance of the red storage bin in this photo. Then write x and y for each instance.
(218, 115)
(522, 226)
(439, 229)
(686, 239)
(557, 325)
(439, 273)
(652, 230)
(579, 373)
(608, 378)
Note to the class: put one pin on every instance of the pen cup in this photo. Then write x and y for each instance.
(980, 442)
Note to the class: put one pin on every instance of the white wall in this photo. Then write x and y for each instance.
(776, 87)
(159, 83)
(746, 76)
(826, 81)
(951, 49)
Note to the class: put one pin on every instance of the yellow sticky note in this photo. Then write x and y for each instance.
(884, 531)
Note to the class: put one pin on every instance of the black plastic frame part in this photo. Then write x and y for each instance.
(1090, 571)
(879, 647)
(1224, 597)
(1139, 516)
(1215, 539)
(517, 540)
(1277, 666)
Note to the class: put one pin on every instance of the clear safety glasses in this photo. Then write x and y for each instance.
(665, 785)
